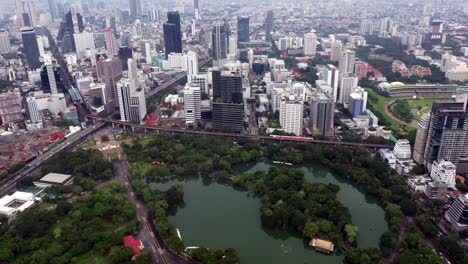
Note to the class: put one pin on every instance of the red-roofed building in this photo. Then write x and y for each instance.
(135, 245)
(377, 73)
(152, 119)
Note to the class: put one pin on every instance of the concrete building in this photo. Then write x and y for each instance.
(83, 41)
(135, 8)
(54, 103)
(26, 13)
(444, 171)
(402, 149)
(357, 102)
(347, 60)
(5, 46)
(457, 215)
(34, 115)
(110, 72)
(322, 114)
(347, 84)
(421, 139)
(436, 190)
(220, 42)
(11, 205)
(336, 49)
(192, 104)
(31, 49)
(331, 74)
(228, 117)
(447, 136)
(292, 115)
(310, 44)
(11, 108)
(54, 179)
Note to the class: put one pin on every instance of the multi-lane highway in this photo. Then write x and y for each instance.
(71, 141)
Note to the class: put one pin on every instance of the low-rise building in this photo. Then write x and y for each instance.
(444, 171)
(457, 214)
(54, 179)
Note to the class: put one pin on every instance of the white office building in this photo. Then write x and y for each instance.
(444, 171)
(402, 149)
(55, 103)
(310, 44)
(192, 64)
(292, 115)
(40, 45)
(83, 41)
(192, 104)
(201, 80)
(346, 86)
(132, 102)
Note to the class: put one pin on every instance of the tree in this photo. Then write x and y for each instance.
(120, 254)
(352, 232)
(310, 229)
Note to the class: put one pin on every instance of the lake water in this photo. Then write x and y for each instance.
(220, 216)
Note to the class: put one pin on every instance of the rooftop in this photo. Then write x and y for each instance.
(55, 177)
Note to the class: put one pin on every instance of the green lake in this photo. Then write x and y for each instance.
(220, 216)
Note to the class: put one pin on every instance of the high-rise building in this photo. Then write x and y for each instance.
(32, 109)
(220, 42)
(357, 102)
(192, 64)
(79, 20)
(11, 108)
(172, 34)
(146, 46)
(457, 214)
(135, 8)
(53, 9)
(330, 74)
(347, 83)
(110, 72)
(444, 171)
(292, 114)
(367, 27)
(125, 53)
(84, 41)
(447, 136)
(26, 13)
(347, 60)
(110, 42)
(40, 45)
(269, 25)
(385, 28)
(228, 117)
(421, 139)
(233, 45)
(192, 104)
(243, 29)
(310, 44)
(132, 102)
(51, 79)
(228, 107)
(31, 49)
(335, 53)
(5, 46)
(322, 114)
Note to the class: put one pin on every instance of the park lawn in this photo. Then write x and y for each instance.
(91, 142)
(92, 257)
(426, 105)
(379, 106)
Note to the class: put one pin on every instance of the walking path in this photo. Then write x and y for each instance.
(389, 114)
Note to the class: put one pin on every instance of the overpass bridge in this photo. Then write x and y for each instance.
(236, 136)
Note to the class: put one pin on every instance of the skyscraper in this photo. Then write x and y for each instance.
(347, 83)
(220, 42)
(172, 34)
(310, 44)
(110, 72)
(346, 64)
(421, 139)
(32, 109)
(192, 64)
(53, 9)
(336, 48)
(31, 50)
(132, 102)
(330, 74)
(322, 114)
(79, 19)
(228, 107)
(192, 104)
(5, 46)
(83, 42)
(447, 135)
(26, 12)
(109, 37)
(269, 25)
(135, 8)
(243, 34)
(51, 79)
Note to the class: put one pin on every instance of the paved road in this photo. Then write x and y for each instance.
(10, 183)
(148, 234)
